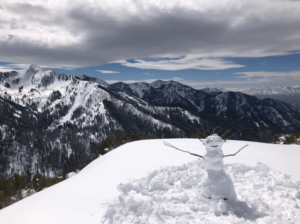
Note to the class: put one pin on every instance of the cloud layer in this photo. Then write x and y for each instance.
(187, 62)
(107, 72)
(87, 33)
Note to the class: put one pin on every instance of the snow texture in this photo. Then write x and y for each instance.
(160, 185)
(169, 195)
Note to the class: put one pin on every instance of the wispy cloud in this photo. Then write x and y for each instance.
(68, 68)
(270, 75)
(186, 62)
(11, 67)
(177, 79)
(107, 72)
(246, 78)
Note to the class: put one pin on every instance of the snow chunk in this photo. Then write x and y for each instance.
(72, 174)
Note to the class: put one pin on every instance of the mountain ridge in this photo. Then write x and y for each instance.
(50, 121)
(224, 104)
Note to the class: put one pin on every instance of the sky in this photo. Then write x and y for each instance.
(221, 43)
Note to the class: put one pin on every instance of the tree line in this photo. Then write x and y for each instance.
(17, 187)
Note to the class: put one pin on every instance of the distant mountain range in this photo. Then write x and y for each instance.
(277, 90)
(224, 104)
(49, 120)
(283, 93)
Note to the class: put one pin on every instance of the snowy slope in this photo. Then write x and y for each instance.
(77, 100)
(92, 195)
(273, 114)
(66, 117)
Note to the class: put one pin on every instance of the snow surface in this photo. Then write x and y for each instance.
(148, 182)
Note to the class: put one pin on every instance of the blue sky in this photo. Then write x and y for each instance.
(278, 70)
(201, 43)
(233, 77)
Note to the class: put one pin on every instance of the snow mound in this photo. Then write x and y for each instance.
(169, 195)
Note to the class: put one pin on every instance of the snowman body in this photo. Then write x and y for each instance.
(215, 184)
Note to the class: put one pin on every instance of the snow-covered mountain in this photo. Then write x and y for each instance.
(93, 79)
(50, 120)
(277, 90)
(287, 94)
(265, 112)
(147, 182)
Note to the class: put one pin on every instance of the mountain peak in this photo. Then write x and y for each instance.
(159, 83)
(210, 90)
(84, 77)
(35, 68)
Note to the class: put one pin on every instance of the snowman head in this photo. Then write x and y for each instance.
(213, 142)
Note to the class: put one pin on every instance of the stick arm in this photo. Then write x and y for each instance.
(172, 146)
(196, 155)
(236, 152)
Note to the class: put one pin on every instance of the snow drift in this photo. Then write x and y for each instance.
(147, 182)
(170, 195)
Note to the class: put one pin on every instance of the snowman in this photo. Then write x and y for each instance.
(216, 184)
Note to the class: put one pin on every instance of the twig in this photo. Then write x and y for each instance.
(232, 135)
(215, 129)
(203, 133)
(224, 134)
(236, 152)
(172, 146)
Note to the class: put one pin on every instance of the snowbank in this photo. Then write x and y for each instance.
(85, 197)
